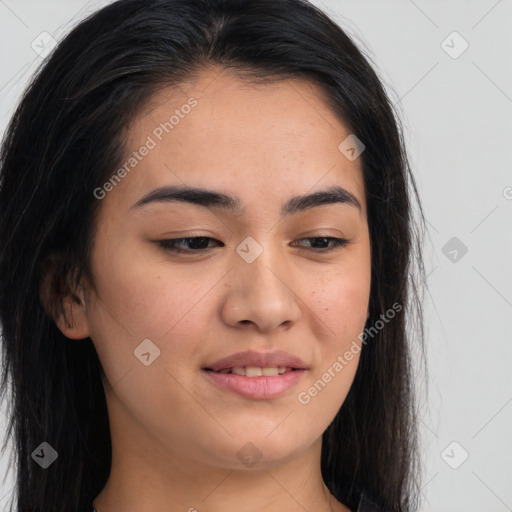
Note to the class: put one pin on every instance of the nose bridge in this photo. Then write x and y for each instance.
(260, 268)
(261, 290)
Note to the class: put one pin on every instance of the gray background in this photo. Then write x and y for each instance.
(456, 109)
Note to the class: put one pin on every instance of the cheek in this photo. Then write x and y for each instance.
(340, 302)
(139, 301)
(340, 306)
(149, 300)
(170, 307)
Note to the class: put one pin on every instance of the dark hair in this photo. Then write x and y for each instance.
(67, 137)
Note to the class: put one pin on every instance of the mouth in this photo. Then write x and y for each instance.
(255, 371)
(255, 382)
(256, 375)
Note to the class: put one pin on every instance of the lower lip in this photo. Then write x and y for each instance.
(256, 387)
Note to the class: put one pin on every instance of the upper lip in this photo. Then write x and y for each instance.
(258, 359)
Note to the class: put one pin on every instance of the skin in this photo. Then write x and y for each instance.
(176, 436)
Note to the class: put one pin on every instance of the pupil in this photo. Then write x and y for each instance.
(198, 242)
(316, 240)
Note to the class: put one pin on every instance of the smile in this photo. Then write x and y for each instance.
(255, 382)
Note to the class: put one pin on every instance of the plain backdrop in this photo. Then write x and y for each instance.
(446, 65)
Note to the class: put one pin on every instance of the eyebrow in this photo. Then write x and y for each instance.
(219, 200)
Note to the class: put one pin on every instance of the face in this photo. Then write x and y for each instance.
(266, 275)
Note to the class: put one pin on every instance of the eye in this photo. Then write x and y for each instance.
(200, 244)
(192, 244)
(320, 243)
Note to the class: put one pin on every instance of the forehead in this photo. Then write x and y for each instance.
(224, 132)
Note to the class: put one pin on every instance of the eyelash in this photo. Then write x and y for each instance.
(172, 244)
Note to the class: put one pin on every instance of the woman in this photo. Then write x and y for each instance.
(206, 239)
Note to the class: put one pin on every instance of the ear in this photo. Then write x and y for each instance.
(65, 304)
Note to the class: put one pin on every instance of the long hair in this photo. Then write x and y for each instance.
(65, 139)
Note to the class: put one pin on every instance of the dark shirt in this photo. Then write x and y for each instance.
(365, 505)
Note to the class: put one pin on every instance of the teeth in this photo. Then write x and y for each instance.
(254, 371)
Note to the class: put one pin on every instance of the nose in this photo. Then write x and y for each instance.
(261, 294)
